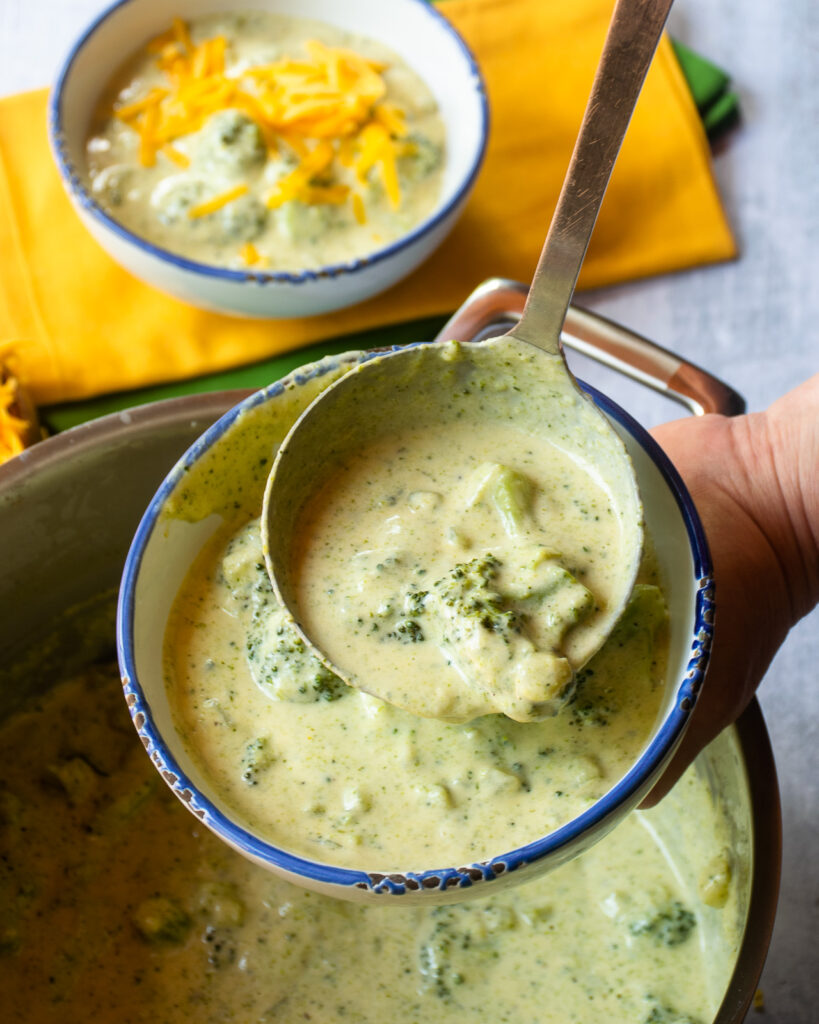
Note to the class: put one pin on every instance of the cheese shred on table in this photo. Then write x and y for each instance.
(15, 431)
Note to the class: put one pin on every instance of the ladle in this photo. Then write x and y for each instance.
(434, 383)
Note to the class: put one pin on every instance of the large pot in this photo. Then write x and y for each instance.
(69, 507)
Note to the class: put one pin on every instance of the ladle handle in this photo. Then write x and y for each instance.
(496, 306)
(633, 35)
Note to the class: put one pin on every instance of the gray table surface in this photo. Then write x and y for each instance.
(752, 322)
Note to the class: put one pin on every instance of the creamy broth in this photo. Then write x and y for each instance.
(350, 206)
(118, 906)
(340, 776)
(446, 569)
(335, 774)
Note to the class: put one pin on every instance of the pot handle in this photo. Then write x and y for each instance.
(496, 305)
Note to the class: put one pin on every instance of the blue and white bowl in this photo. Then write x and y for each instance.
(412, 28)
(165, 546)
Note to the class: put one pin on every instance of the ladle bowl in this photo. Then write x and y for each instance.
(436, 386)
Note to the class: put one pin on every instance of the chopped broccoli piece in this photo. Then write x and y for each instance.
(664, 1015)
(434, 959)
(591, 710)
(230, 141)
(279, 660)
(221, 905)
(175, 195)
(469, 601)
(511, 494)
(407, 631)
(74, 777)
(162, 921)
(485, 635)
(670, 926)
(461, 941)
(282, 665)
(421, 158)
(241, 220)
(257, 758)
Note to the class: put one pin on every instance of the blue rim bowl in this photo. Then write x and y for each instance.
(672, 521)
(97, 55)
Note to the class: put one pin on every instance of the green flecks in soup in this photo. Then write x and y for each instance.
(116, 905)
(353, 780)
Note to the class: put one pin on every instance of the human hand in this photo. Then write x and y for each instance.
(755, 482)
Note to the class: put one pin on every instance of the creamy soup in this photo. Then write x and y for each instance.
(447, 568)
(336, 774)
(341, 776)
(261, 140)
(116, 905)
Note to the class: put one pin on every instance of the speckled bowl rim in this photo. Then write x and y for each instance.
(397, 883)
(73, 182)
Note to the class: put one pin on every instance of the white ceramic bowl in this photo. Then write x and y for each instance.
(413, 28)
(165, 546)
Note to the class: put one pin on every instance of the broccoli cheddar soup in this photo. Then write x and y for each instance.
(335, 774)
(261, 140)
(116, 905)
(338, 775)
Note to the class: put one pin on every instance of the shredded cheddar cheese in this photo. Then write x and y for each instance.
(217, 202)
(359, 212)
(326, 107)
(252, 257)
(176, 156)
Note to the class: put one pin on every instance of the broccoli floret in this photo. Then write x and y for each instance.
(469, 600)
(421, 157)
(484, 635)
(464, 599)
(283, 666)
(305, 224)
(670, 926)
(257, 758)
(280, 662)
(230, 141)
(665, 1015)
(462, 942)
(241, 220)
(174, 196)
(435, 956)
(407, 631)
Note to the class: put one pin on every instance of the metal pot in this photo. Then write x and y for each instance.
(69, 507)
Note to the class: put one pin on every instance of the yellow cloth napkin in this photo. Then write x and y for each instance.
(79, 325)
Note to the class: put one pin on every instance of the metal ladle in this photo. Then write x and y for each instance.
(413, 384)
